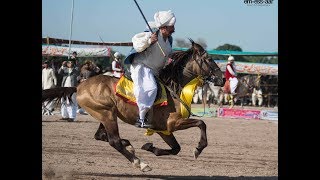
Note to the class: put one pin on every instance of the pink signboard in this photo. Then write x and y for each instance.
(239, 113)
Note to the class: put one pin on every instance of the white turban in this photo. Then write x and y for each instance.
(230, 58)
(164, 18)
(117, 55)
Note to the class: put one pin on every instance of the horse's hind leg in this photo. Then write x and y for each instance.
(109, 121)
(170, 140)
(101, 133)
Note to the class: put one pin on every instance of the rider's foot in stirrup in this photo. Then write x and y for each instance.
(138, 123)
(141, 124)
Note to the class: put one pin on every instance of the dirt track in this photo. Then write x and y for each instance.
(236, 148)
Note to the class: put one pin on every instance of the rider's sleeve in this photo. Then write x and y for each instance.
(141, 41)
(231, 71)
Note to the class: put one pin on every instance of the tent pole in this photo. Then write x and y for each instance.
(71, 29)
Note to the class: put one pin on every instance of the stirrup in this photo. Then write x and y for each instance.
(138, 123)
(141, 123)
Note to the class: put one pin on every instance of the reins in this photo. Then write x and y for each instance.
(192, 74)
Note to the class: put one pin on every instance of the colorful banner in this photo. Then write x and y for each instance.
(251, 68)
(269, 115)
(239, 113)
(51, 50)
(204, 112)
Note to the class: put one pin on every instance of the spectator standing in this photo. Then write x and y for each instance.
(69, 79)
(49, 80)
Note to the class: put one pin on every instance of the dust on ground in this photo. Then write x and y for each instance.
(237, 149)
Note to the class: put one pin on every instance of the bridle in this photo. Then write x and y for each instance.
(202, 61)
(190, 74)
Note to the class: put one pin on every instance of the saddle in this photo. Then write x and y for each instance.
(226, 87)
(124, 89)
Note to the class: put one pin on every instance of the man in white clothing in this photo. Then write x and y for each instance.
(49, 80)
(70, 74)
(231, 76)
(152, 55)
(257, 95)
(117, 69)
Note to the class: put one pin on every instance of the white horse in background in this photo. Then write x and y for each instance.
(246, 86)
(216, 93)
(213, 93)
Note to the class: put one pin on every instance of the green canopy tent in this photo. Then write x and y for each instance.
(234, 53)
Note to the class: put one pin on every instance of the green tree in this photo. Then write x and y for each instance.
(181, 43)
(228, 47)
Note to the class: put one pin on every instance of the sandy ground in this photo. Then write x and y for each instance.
(237, 149)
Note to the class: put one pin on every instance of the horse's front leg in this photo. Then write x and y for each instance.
(170, 140)
(183, 123)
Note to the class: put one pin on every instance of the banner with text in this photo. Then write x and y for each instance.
(239, 113)
(51, 50)
(250, 68)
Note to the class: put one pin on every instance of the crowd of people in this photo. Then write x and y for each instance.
(72, 73)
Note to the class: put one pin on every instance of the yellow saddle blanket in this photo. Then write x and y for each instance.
(124, 89)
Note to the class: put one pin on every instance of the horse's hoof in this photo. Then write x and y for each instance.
(130, 149)
(136, 163)
(145, 167)
(147, 146)
(196, 153)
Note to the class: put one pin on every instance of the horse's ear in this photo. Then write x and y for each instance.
(192, 42)
(193, 46)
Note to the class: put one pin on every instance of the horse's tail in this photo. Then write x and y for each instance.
(58, 93)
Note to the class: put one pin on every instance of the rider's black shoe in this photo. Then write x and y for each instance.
(143, 123)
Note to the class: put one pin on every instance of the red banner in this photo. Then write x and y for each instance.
(239, 113)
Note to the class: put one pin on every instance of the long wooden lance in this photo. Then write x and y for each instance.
(149, 26)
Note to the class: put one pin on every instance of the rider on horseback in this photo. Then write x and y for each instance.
(231, 75)
(148, 61)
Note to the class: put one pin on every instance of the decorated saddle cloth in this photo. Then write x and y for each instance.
(226, 87)
(124, 89)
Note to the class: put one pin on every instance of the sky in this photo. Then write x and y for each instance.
(251, 27)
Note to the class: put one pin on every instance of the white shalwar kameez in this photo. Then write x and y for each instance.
(233, 80)
(144, 65)
(68, 109)
(49, 80)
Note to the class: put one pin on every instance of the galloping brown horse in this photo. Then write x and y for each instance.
(97, 96)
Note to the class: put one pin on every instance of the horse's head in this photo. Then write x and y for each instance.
(251, 81)
(187, 65)
(202, 64)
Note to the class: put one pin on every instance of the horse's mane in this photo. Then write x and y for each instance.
(172, 74)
